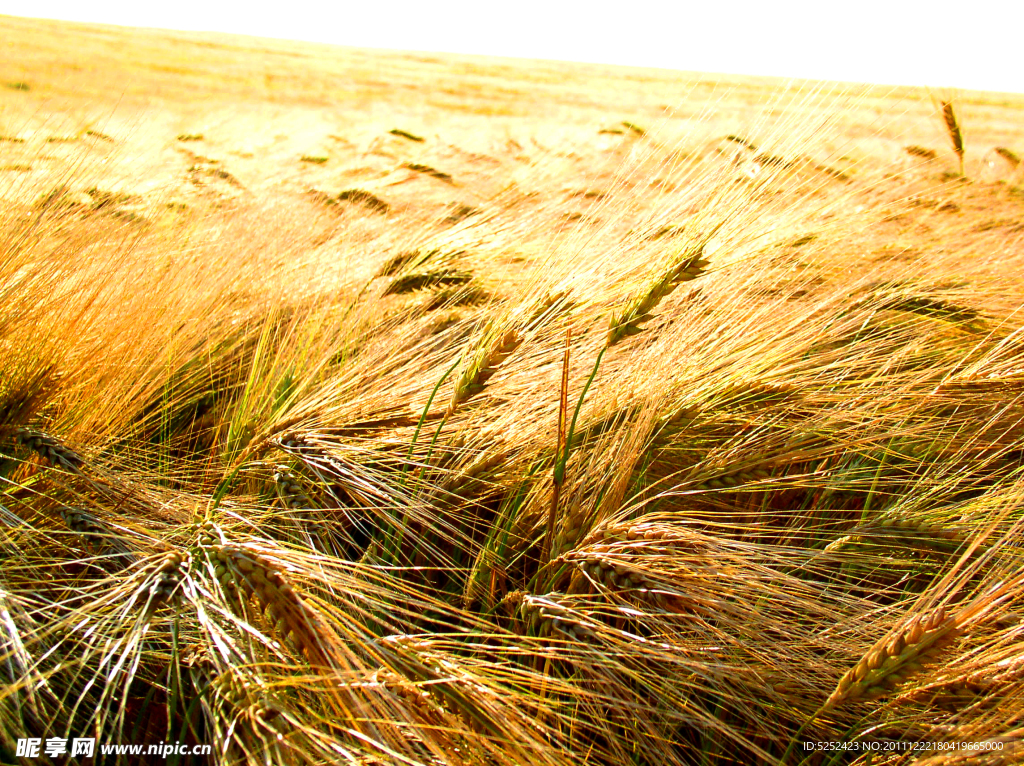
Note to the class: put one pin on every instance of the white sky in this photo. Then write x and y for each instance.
(942, 44)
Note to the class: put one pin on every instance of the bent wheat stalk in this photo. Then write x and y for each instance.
(558, 472)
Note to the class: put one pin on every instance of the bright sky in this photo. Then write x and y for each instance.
(964, 44)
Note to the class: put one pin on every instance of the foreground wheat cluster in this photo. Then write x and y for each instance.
(286, 476)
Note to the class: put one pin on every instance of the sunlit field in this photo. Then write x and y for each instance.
(380, 408)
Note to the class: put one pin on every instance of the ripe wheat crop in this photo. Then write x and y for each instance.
(686, 444)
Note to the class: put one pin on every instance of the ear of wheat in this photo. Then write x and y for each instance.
(244, 572)
(920, 151)
(50, 448)
(165, 579)
(429, 577)
(902, 654)
(1009, 155)
(629, 321)
(483, 367)
(891, 662)
(421, 280)
(955, 133)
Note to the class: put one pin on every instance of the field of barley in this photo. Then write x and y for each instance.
(376, 408)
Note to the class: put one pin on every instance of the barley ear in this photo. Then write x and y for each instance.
(955, 133)
(892, 660)
(628, 322)
(474, 379)
(50, 448)
(246, 573)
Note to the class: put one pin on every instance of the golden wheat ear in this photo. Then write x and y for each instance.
(1009, 155)
(483, 367)
(955, 133)
(891, 662)
(50, 448)
(628, 323)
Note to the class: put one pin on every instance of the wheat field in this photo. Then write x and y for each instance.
(379, 408)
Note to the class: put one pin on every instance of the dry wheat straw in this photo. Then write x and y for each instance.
(437, 699)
